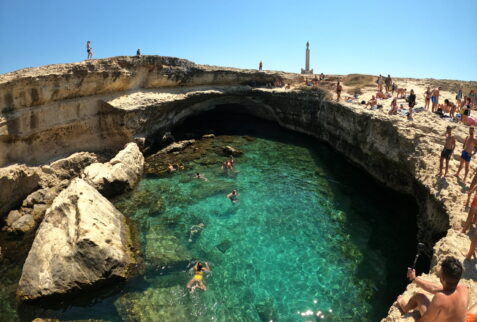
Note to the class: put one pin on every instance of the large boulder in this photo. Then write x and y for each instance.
(82, 242)
(16, 182)
(121, 173)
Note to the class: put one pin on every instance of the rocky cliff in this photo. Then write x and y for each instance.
(97, 105)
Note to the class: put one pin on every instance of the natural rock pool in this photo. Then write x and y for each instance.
(311, 234)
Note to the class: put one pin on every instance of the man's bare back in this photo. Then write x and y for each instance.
(448, 306)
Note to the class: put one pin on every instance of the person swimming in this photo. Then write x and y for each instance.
(201, 176)
(233, 196)
(198, 278)
(195, 229)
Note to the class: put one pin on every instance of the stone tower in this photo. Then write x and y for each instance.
(307, 69)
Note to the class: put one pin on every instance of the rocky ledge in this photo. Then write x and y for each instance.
(100, 105)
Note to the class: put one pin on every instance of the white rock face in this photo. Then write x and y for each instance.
(83, 240)
(120, 173)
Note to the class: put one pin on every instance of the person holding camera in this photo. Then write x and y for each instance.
(450, 297)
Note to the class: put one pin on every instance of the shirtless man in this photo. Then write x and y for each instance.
(233, 196)
(379, 81)
(467, 153)
(435, 98)
(339, 88)
(388, 82)
(450, 298)
(446, 153)
(372, 101)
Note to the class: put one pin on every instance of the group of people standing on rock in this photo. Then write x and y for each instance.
(89, 51)
(451, 298)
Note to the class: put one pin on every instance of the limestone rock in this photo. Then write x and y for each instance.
(119, 174)
(73, 165)
(13, 216)
(24, 224)
(228, 150)
(177, 146)
(83, 241)
(16, 182)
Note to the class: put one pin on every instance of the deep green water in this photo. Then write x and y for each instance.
(310, 234)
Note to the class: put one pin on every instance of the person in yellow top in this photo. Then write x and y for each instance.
(198, 278)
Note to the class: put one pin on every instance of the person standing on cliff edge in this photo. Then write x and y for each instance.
(339, 88)
(260, 65)
(89, 50)
(446, 153)
(467, 153)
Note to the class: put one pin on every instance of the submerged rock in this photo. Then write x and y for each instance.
(155, 304)
(162, 248)
(224, 246)
(228, 150)
(83, 241)
(119, 174)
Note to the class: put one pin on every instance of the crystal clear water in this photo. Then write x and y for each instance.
(311, 237)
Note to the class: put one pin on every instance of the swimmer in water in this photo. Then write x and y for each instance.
(194, 230)
(201, 177)
(233, 196)
(199, 276)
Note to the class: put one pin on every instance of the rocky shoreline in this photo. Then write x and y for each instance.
(102, 105)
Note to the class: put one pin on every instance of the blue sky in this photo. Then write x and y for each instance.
(417, 38)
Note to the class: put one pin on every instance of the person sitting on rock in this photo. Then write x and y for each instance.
(449, 146)
(450, 298)
(171, 168)
(381, 95)
(372, 101)
(198, 278)
(394, 108)
(233, 196)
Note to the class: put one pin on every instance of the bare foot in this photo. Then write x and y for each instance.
(402, 303)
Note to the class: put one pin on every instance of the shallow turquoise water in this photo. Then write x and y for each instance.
(311, 237)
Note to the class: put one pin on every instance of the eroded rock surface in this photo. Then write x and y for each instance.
(83, 241)
(121, 173)
(16, 182)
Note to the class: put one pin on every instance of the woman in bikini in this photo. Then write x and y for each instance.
(427, 96)
(199, 276)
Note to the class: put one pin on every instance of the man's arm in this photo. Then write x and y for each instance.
(433, 310)
(427, 286)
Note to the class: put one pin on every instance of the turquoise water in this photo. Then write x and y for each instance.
(311, 238)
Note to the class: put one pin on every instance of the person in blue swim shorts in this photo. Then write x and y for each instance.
(435, 98)
(467, 153)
